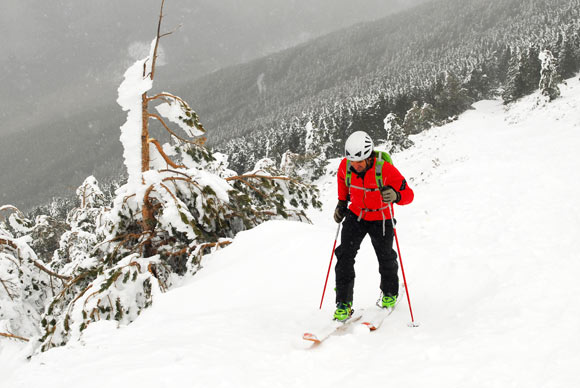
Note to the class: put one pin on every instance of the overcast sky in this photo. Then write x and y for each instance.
(64, 55)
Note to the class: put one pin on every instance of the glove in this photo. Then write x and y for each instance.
(390, 195)
(340, 211)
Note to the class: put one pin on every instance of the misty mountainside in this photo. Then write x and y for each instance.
(63, 61)
(444, 55)
(50, 161)
(76, 52)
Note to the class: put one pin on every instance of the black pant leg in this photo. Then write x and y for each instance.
(386, 255)
(353, 232)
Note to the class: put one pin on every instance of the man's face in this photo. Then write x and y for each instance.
(359, 166)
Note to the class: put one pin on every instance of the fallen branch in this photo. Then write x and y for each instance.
(8, 335)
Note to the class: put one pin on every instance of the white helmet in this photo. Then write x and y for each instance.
(358, 146)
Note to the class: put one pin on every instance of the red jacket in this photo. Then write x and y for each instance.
(365, 202)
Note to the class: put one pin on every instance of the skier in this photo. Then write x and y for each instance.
(372, 185)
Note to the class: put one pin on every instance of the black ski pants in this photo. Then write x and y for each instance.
(353, 233)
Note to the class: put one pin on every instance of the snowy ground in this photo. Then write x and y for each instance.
(490, 248)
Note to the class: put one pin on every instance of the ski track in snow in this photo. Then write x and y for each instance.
(490, 252)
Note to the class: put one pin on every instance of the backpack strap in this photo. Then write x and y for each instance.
(379, 172)
(348, 175)
(382, 155)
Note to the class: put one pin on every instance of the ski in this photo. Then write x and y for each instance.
(334, 327)
(375, 319)
(371, 318)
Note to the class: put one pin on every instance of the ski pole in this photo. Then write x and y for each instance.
(330, 264)
(412, 323)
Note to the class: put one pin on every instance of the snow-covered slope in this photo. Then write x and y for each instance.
(490, 248)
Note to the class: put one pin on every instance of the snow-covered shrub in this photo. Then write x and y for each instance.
(119, 267)
(311, 164)
(114, 291)
(45, 236)
(76, 245)
(42, 234)
(74, 258)
(267, 192)
(418, 119)
(25, 283)
(13, 222)
(396, 139)
(289, 162)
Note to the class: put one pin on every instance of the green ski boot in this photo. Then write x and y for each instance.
(388, 301)
(343, 311)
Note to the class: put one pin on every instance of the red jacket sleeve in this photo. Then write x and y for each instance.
(392, 177)
(341, 176)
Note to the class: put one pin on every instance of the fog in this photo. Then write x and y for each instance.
(62, 56)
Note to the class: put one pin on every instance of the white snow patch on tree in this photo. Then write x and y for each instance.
(309, 140)
(130, 92)
(89, 193)
(178, 112)
(23, 288)
(549, 75)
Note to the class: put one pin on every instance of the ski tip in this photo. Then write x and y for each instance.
(311, 337)
(369, 325)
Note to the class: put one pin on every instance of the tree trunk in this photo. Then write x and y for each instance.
(144, 134)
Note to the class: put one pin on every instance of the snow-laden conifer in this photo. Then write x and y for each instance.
(550, 77)
(25, 283)
(180, 202)
(418, 118)
(396, 139)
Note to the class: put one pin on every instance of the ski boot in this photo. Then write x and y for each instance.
(387, 301)
(343, 311)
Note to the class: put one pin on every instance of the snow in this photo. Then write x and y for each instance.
(175, 112)
(129, 98)
(490, 252)
(309, 137)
